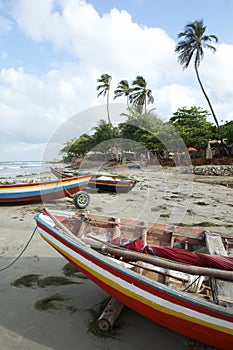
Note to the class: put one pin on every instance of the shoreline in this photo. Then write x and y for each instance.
(45, 176)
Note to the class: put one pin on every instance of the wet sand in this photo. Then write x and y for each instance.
(161, 194)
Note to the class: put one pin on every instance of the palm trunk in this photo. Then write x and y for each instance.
(127, 96)
(108, 107)
(202, 88)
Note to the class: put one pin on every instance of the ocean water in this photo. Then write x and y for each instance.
(12, 169)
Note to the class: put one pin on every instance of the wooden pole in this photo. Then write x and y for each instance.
(117, 231)
(194, 270)
(144, 234)
(135, 256)
(63, 227)
(110, 314)
(223, 289)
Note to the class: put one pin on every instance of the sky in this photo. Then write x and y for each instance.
(53, 51)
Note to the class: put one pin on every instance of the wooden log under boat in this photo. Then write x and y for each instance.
(110, 314)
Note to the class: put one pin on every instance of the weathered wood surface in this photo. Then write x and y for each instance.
(117, 230)
(135, 256)
(224, 289)
(110, 314)
(60, 225)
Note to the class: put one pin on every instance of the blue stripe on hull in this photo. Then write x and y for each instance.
(40, 192)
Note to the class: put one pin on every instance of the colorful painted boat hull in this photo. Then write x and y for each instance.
(191, 316)
(29, 193)
(122, 185)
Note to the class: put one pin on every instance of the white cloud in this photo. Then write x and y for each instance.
(110, 42)
(174, 96)
(218, 72)
(32, 107)
(38, 105)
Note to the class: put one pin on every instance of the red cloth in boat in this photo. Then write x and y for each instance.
(179, 255)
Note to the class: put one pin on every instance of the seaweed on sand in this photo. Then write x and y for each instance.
(54, 281)
(50, 302)
(26, 281)
(70, 270)
(34, 280)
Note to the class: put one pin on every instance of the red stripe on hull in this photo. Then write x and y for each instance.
(184, 326)
(137, 282)
(189, 329)
(42, 198)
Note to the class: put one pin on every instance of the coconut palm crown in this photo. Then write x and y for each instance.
(190, 47)
(140, 95)
(123, 89)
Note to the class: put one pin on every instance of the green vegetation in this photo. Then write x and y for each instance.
(193, 127)
(149, 132)
(226, 132)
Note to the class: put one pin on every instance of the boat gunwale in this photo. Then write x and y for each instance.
(95, 177)
(41, 183)
(155, 286)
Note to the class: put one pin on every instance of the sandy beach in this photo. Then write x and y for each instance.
(162, 194)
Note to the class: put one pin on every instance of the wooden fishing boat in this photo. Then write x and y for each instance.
(185, 298)
(103, 182)
(35, 192)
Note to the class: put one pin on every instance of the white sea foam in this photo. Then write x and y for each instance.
(10, 169)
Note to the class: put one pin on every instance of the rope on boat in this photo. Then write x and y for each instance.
(213, 289)
(195, 285)
(21, 253)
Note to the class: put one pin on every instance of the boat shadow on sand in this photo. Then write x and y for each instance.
(60, 309)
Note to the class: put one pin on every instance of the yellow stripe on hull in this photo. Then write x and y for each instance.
(141, 298)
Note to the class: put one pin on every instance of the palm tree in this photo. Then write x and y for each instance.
(193, 41)
(103, 131)
(104, 87)
(123, 89)
(139, 94)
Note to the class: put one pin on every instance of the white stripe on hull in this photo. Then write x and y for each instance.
(138, 291)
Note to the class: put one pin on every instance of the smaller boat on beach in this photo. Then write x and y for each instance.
(44, 191)
(103, 182)
(179, 277)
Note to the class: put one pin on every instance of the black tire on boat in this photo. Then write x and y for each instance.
(81, 200)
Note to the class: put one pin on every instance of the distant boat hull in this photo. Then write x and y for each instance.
(111, 185)
(102, 182)
(29, 193)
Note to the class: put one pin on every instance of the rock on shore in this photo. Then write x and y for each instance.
(214, 170)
